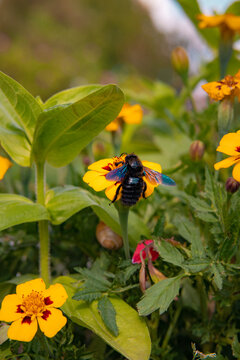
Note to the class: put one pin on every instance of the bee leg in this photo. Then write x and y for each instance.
(116, 195)
(144, 190)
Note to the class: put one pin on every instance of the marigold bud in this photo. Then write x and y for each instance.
(180, 61)
(232, 185)
(107, 237)
(196, 150)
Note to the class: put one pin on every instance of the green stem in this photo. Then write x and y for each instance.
(225, 53)
(123, 212)
(116, 142)
(171, 326)
(43, 226)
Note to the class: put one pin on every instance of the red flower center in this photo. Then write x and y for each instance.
(237, 148)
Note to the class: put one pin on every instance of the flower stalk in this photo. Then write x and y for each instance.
(44, 260)
(123, 212)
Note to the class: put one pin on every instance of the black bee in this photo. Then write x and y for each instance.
(130, 175)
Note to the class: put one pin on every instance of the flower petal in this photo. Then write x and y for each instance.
(152, 165)
(9, 308)
(113, 126)
(96, 180)
(136, 259)
(29, 286)
(236, 172)
(100, 165)
(131, 114)
(210, 21)
(226, 163)
(229, 143)
(150, 187)
(5, 164)
(53, 323)
(56, 294)
(111, 191)
(22, 331)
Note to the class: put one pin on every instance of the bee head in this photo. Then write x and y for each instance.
(134, 163)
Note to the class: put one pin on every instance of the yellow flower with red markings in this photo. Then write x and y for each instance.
(130, 114)
(230, 145)
(33, 305)
(229, 24)
(227, 88)
(142, 176)
(5, 164)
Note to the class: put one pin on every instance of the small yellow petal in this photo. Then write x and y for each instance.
(22, 331)
(5, 164)
(150, 188)
(132, 114)
(29, 286)
(152, 165)
(100, 165)
(113, 126)
(229, 143)
(226, 163)
(96, 180)
(57, 294)
(236, 171)
(111, 192)
(9, 308)
(53, 323)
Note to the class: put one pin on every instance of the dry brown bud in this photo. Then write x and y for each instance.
(232, 185)
(196, 150)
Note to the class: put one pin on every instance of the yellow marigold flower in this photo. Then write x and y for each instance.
(229, 87)
(228, 23)
(5, 164)
(34, 305)
(230, 145)
(96, 177)
(130, 114)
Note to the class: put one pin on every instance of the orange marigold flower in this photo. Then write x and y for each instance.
(229, 87)
(5, 164)
(34, 305)
(130, 114)
(230, 145)
(228, 23)
(99, 179)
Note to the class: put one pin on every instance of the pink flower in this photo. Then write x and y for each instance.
(144, 249)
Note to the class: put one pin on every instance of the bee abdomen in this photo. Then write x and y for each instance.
(132, 189)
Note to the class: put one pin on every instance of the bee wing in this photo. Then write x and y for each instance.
(117, 174)
(156, 178)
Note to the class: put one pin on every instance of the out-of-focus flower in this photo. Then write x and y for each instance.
(144, 247)
(227, 88)
(229, 24)
(180, 60)
(230, 145)
(96, 177)
(107, 237)
(196, 150)
(34, 305)
(5, 164)
(232, 185)
(130, 114)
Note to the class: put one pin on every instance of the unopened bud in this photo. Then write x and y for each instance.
(180, 61)
(155, 274)
(107, 237)
(196, 150)
(144, 281)
(86, 160)
(232, 185)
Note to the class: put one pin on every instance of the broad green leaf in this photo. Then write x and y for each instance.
(217, 276)
(16, 209)
(207, 217)
(19, 112)
(108, 314)
(64, 130)
(196, 265)
(70, 95)
(133, 341)
(190, 232)
(159, 296)
(64, 202)
(191, 9)
(169, 253)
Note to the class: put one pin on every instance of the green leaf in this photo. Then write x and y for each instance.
(64, 130)
(191, 233)
(236, 347)
(87, 295)
(70, 95)
(191, 8)
(169, 253)
(217, 276)
(133, 341)
(207, 217)
(159, 296)
(19, 112)
(3, 333)
(196, 265)
(16, 209)
(64, 202)
(108, 314)
(234, 8)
